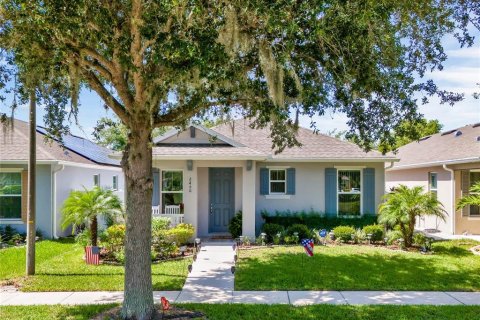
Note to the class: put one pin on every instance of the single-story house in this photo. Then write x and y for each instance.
(204, 175)
(447, 164)
(80, 163)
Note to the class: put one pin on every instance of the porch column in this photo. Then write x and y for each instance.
(190, 197)
(248, 200)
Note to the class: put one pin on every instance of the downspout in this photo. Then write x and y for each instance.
(452, 189)
(54, 200)
(390, 166)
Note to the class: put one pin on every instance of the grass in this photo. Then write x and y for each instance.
(264, 312)
(60, 267)
(453, 267)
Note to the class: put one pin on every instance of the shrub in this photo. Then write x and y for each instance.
(343, 233)
(359, 236)
(290, 240)
(114, 237)
(160, 224)
(301, 229)
(393, 236)
(376, 231)
(235, 225)
(272, 229)
(419, 239)
(181, 233)
(84, 238)
(119, 255)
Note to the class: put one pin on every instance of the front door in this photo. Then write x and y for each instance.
(222, 198)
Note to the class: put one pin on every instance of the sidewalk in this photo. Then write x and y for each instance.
(296, 298)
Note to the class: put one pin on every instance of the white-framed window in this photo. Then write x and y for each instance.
(115, 183)
(278, 181)
(432, 183)
(172, 191)
(474, 178)
(96, 180)
(349, 193)
(11, 195)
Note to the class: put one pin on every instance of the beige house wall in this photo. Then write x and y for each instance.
(456, 223)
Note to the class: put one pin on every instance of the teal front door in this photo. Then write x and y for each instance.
(222, 198)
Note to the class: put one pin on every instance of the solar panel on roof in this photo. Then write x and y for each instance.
(86, 148)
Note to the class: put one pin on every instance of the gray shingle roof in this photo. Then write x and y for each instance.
(459, 145)
(258, 143)
(14, 147)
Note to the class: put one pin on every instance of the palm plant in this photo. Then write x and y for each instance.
(85, 206)
(472, 199)
(404, 205)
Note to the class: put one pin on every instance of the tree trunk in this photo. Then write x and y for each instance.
(94, 230)
(137, 166)
(31, 227)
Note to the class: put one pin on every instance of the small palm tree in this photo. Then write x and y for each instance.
(473, 199)
(402, 207)
(85, 206)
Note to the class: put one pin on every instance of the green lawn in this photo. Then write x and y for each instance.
(263, 312)
(60, 268)
(349, 267)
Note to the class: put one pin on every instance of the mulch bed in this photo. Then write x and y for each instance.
(173, 313)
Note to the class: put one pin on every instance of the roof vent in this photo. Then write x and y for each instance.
(476, 125)
(448, 132)
(458, 133)
(478, 139)
(424, 138)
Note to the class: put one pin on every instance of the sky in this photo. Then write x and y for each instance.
(461, 73)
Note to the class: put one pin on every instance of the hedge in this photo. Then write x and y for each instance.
(315, 220)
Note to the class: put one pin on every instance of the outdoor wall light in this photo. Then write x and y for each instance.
(249, 165)
(232, 269)
(189, 165)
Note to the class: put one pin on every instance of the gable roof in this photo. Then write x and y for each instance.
(461, 145)
(14, 146)
(243, 142)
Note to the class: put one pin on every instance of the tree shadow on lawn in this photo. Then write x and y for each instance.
(372, 271)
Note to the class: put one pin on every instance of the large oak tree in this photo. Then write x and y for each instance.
(159, 62)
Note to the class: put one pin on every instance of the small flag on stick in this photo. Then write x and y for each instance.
(308, 246)
(165, 304)
(92, 255)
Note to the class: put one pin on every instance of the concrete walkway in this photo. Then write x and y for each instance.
(211, 281)
(296, 298)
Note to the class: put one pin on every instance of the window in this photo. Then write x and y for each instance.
(96, 180)
(115, 183)
(172, 191)
(278, 181)
(10, 195)
(432, 183)
(349, 192)
(474, 178)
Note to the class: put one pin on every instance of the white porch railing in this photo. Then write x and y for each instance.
(171, 212)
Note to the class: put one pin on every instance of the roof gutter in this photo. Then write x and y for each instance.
(452, 192)
(436, 163)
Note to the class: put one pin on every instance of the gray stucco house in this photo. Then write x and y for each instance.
(80, 163)
(203, 176)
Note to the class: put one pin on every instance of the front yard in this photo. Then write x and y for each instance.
(262, 312)
(60, 268)
(351, 267)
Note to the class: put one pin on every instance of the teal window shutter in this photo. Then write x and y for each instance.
(156, 189)
(330, 191)
(291, 181)
(264, 181)
(368, 191)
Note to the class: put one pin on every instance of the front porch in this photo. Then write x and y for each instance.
(205, 194)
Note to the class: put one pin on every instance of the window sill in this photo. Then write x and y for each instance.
(278, 196)
(11, 221)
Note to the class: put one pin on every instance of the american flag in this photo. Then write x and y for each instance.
(92, 255)
(308, 246)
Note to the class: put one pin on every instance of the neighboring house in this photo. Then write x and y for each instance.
(81, 163)
(203, 176)
(446, 164)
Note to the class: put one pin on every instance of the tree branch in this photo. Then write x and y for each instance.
(136, 48)
(107, 97)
